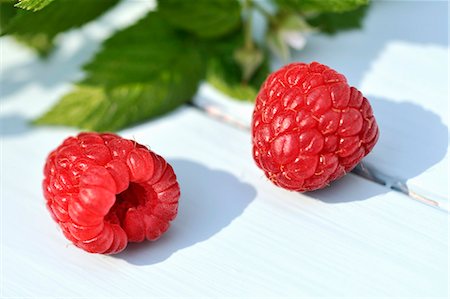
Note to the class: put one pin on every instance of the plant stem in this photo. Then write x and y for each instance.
(248, 42)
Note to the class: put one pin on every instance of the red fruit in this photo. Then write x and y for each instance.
(310, 127)
(105, 191)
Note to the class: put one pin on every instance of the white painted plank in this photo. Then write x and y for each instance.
(236, 233)
(399, 61)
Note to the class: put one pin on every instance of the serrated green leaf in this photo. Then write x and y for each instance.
(333, 22)
(73, 106)
(33, 5)
(38, 29)
(142, 72)
(321, 5)
(224, 73)
(204, 18)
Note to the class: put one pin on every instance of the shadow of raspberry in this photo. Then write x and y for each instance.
(412, 140)
(210, 201)
(348, 189)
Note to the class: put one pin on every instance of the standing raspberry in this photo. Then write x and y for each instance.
(310, 127)
(105, 191)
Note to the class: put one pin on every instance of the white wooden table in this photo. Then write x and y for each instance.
(237, 235)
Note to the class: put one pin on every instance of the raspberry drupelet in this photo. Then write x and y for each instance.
(310, 127)
(105, 191)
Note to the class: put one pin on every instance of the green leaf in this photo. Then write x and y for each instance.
(7, 13)
(224, 73)
(142, 72)
(33, 5)
(71, 109)
(204, 18)
(38, 29)
(332, 22)
(224, 78)
(320, 5)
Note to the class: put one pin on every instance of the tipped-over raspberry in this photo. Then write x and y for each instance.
(310, 127)
(105, 191)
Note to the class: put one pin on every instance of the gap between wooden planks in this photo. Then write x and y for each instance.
(360, 170)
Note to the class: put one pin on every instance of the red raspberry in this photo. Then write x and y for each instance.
(310, 127)
(105, 191)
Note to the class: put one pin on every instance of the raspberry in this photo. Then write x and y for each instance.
(105, 191)
(310, 127)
